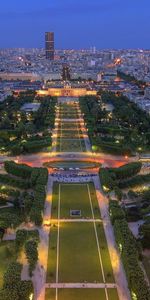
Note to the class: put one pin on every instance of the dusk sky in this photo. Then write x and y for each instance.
(76, 23)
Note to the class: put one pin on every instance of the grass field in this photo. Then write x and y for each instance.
(69, 133)
(78, 254)
(68, 111)
(82, 254)
(71, 145)
(69, 126)
(68, 115)
(70, 137)
(81, 294)
(74, 196)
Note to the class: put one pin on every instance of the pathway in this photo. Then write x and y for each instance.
(118, 269)
(81, 285)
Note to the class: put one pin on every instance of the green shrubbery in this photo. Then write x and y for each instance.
(19, 170)
(118, 132)
(130, 256)
(31, 252)
(115, 211)
(33, 204)
(13, 287)
(127, 171)
(135, 181)
(29, 241)
(116, 178)
(14, 182)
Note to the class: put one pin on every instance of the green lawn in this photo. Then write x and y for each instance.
(52, 255)
(71, 145)
(74, 196)
(50, 294)
(108, 271)
(112, 294)
(69, 125)
(81, 294)
(77, 294)
(78, 253)
(68, 133)
(7, 255)
(68, 115)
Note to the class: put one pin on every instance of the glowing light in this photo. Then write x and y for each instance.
(31, 297)
(105, 188)
(134, 297)
(94, 148)
(3, 187)
(23, 141)
(120, 247)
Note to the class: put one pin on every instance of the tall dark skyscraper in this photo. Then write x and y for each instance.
(49, 45)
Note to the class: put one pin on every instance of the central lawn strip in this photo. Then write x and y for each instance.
(54, 211)
(112, 294)
(81, 294)
(74, 196)
(68, 115)
(69, 125)
(78, 253)
(50, 294)
(71, 145)
(52, 255)
(107, 267)
(68, 133)
(95, 205)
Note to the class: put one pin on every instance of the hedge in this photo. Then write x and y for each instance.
(13, 288)
(19, 183)
(20, 170)
(115, 211)
(130, 257)
(31, 252)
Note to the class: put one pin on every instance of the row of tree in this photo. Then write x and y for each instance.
(115, 178)
(28, 241)
(37, 180)
(130, 253)
(13, 287)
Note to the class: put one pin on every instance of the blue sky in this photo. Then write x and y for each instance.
(76, 23)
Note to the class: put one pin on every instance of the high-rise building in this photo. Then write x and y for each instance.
(49, 45)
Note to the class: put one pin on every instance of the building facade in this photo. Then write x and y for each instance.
(67, 91)
(49, 45)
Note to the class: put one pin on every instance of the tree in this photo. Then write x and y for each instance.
(31, 254)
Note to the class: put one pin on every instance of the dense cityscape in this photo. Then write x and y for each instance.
(74, 173)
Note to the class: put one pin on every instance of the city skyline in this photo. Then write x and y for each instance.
(108, 24)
